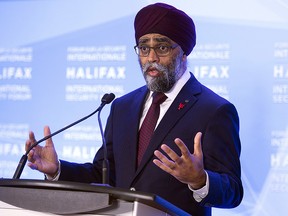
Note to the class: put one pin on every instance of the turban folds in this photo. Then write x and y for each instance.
(166, 20)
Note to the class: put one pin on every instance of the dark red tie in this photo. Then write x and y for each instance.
(149, 123)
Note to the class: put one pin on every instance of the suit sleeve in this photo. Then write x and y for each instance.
(221, 148)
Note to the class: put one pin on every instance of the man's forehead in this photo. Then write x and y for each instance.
(154, 38)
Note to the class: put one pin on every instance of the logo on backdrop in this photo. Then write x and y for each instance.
(279, 161)
(83, 65)
(211, 66)
(15, 71)
(280, 73)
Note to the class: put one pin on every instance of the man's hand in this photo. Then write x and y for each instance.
(45, 158)
(187, 168)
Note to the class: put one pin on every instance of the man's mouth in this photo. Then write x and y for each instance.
(153, 72)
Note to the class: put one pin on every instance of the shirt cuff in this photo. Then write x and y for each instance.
(201, 193)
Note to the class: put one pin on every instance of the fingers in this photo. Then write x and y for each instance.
(174, 156)
(175, 159)
(33, 166)
(170, 152)
(32, 136)
(169, 163)
(47, 132)
(183, 148)
(30, 141)
(197, 145)
(163, 162)
(28, 145)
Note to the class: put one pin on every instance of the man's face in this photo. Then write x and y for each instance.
(162, 66)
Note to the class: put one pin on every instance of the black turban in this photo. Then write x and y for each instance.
(166, 20)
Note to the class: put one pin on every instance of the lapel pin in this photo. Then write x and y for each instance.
(182, 105)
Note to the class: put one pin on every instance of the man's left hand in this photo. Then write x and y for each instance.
(187, 168)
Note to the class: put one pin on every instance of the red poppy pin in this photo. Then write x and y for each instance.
(182, 105)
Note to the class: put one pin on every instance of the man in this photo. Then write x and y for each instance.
(192, 158)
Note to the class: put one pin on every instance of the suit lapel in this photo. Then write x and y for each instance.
(182, 103)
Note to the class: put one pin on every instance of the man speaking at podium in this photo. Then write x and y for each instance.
(173, 137)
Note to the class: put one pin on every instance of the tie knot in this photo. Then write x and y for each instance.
(158, 97)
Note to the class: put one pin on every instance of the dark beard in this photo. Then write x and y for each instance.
(169, 75)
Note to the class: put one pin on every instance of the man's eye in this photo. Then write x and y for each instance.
(163, 48)
(144, 48)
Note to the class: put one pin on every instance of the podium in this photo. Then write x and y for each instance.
(68, 198)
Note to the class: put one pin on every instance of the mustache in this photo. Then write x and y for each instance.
(146, 67)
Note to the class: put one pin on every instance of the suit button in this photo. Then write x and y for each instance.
(132, 189)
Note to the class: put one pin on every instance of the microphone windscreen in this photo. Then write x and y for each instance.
(108, 98)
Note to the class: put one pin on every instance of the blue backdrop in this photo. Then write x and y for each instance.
(57, 59)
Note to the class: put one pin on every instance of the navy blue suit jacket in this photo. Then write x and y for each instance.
(203, 111)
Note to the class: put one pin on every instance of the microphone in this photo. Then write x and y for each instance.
(106, 99)
(105, 163)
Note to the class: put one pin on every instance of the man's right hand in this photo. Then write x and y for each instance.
(45, 158)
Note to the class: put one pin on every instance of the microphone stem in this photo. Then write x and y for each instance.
(20, 167)
(105, 163)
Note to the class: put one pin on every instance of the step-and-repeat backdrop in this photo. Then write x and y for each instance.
(58, 58)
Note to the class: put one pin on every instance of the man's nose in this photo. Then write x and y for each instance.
(153, 57)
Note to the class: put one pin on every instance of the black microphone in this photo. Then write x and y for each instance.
(105, 163)
(106, 99)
